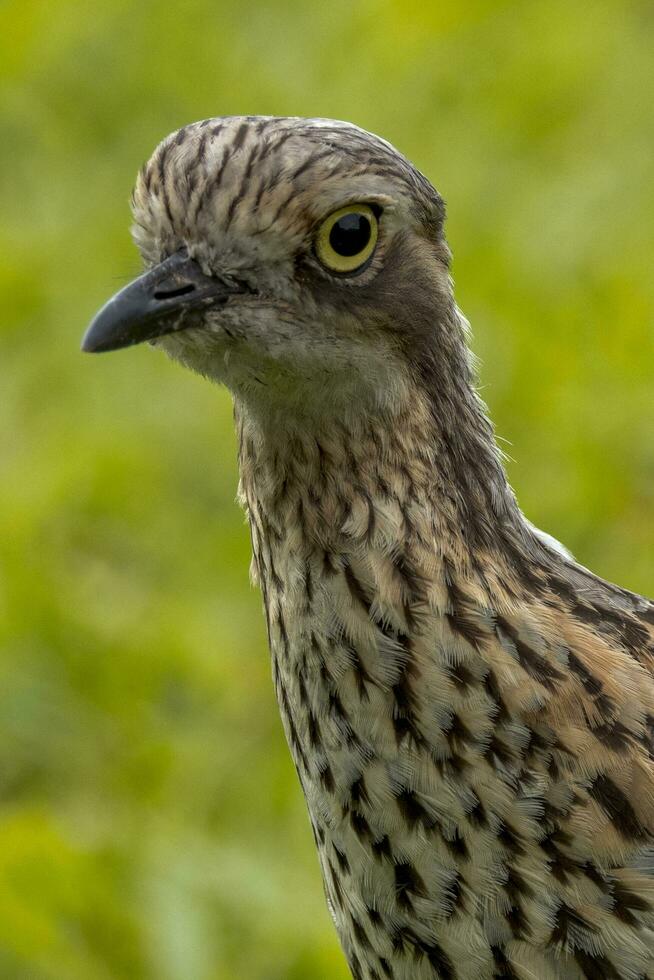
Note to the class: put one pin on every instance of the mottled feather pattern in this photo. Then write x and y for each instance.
(474, 755)
(470, 712)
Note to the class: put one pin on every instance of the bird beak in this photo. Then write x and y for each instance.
(160, 301)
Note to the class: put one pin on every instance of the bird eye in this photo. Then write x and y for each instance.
(347, 238)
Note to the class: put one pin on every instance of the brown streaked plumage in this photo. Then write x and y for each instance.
(471, 713)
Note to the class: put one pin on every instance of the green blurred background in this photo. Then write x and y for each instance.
(150, 821)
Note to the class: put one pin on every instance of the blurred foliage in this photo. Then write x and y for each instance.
(150, 821)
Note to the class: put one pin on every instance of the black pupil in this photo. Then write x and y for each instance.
(350, 234)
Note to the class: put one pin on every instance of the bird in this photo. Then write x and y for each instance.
(469, 710)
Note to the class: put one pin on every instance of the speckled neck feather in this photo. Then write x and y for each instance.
(470, 714)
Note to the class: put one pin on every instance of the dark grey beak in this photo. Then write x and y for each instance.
(163, 300)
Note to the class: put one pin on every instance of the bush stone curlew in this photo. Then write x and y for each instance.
(470, 712)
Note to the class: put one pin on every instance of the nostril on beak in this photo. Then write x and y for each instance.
(174, 293)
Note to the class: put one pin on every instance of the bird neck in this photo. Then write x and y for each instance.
(406, 478)
(385, 550)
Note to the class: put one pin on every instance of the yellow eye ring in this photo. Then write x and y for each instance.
(347, 238)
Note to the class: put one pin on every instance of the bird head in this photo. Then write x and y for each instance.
(301, 262)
